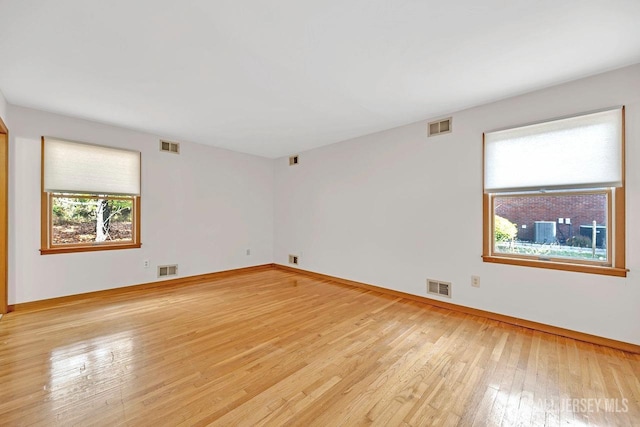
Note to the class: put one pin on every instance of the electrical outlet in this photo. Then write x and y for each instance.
(146, 263)
(475, 281)
(248, 251)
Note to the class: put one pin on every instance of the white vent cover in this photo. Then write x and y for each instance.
(440, 126)
(439, 288)
(293, 160)
(167, 270)
(293, 259)
(170, 147)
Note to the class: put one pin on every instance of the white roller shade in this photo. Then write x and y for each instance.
(72, 167)
(576, 152)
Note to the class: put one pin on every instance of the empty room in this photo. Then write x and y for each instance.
(320, 213)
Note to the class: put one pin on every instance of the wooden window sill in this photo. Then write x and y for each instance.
(92, 248)
(556, 265)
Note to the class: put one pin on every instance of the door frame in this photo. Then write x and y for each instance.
(4, 215)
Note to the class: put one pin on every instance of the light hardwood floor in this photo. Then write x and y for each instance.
(280, 348)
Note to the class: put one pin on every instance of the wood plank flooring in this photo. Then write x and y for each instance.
(280, 348)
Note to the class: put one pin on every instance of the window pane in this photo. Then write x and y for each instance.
(90, 220)
(552, 226)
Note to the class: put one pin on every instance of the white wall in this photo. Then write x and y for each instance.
(3, 109)
(201, 210)
(394, 208)
(389, 209)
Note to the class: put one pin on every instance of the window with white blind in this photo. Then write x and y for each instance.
(554, 194)
(90, 197)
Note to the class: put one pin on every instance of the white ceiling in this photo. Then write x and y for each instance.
(277, 77)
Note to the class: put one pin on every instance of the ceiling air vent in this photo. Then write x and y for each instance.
(293, 160)
(439, 127)
(170, 147)
(439, 288)
(167, 270)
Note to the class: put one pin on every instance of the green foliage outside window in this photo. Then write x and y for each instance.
(88, 218)
(504, 230)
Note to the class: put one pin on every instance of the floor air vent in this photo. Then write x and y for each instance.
(440, 127)
(170, 147)
(439, 288)
(167, 270)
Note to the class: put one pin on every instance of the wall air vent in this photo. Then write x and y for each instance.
(440, 126)
(167, 270)
(439, 288)
(170, 147)
(293, 259)
(293, 160)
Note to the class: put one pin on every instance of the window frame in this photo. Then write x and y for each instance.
(46, 221)
(616, 229)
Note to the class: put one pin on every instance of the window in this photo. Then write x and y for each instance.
(554, 194)
(90, 197)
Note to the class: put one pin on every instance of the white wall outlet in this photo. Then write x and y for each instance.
(248, 251)
(146, 263)
(475, 281)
